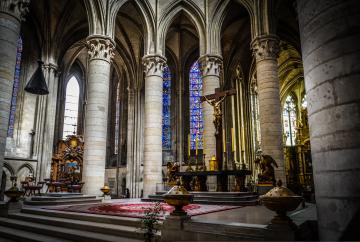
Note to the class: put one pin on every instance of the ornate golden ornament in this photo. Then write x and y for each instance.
(213, 163)
(178, 197)
(105, 190)
(281, 200)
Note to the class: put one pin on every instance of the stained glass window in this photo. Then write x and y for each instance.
(289, 121)
(166, 121)
(15, 91)
(71, 107)
(196, 118)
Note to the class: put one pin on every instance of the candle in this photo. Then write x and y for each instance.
(196, 144)
(189, 145)
(233, 140)
(224, 141)
(243, 139)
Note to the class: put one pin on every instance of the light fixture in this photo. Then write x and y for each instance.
(37, 84)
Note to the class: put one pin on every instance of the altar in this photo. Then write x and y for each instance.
(197, 180)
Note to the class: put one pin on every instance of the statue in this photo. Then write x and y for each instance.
(217, 111)
(266, 163)
(172, 168)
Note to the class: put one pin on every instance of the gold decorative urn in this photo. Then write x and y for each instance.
(178, 197)
(13, 192)
(281, 200)
(105, 190)
(213, 164)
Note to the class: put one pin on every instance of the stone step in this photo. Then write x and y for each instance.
(61, 194)
(209, 202)
(217, 194)
(10, 234)
(211, 198)
(134, 222)
(54, 198)
(61, 232)
(62, 202)
(97, 227)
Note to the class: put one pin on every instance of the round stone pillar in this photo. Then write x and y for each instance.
(96, 115)
(331, 53)
(210, 70)
(266, 50)
(11, 14)
(153, 67)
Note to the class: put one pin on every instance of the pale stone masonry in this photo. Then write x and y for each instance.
(11, 14)
(153, 68)
(331, 55)
(96, 114)
(266, 50)
(210, 71)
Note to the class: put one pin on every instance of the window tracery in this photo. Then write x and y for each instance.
(196, 117)
(16, 85)
(166, 119)
(71, 107)
(289, 121)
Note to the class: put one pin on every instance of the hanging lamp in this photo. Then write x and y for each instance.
(37, 84)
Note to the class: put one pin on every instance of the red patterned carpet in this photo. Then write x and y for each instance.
(136, 209)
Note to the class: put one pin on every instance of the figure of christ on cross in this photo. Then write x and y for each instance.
(215, 100)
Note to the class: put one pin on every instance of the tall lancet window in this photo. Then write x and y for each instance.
(117, 122)
(289, 121)
(166, 120)
(71, 107)
(196, 118)
(10, 132)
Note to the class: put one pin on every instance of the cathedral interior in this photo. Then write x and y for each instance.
(179, 120)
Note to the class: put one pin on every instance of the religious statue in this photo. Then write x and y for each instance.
(266, 164)
(217, 112)
(172, 168)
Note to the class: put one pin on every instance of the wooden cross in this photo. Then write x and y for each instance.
(215, 101)
(218, 94)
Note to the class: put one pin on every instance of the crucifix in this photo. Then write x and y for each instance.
(215, 100)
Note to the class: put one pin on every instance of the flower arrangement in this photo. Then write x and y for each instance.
(151, 220)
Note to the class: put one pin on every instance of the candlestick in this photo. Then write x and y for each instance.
(224, 141)
(189, 146)
(196, 144)
(233, 146)
(243, 138)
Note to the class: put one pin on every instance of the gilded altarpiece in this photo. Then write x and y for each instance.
(67, 162)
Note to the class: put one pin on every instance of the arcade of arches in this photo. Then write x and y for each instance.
(128, 78)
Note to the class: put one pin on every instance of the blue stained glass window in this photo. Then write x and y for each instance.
(10, 132)
(196, 119)
(166, 124)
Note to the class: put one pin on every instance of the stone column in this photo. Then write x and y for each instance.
(266, 50)
(330, 51)
(46, 126)
(210, 69)
(11, 14)
(96, 114)
(130, 174)
(153, 67)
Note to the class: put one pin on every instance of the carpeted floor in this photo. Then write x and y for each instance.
(137, 209)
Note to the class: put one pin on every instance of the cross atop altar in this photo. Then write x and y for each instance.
(215, 100)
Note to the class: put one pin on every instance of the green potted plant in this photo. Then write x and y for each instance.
(150, 221)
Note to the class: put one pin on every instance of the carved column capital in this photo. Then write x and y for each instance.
(100, 47)
(265, 47)
(154, 65)
(210, 65)
(16, 8)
